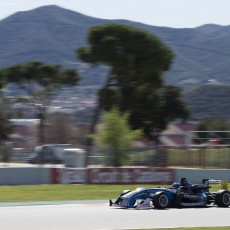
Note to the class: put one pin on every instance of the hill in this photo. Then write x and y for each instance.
(209, 100)
(51, 34)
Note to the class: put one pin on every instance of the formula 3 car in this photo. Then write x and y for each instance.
(179, 195)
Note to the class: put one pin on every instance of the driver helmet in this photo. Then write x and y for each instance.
(184, 182)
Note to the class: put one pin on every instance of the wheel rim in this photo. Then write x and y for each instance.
(226, 199)
(163, 200)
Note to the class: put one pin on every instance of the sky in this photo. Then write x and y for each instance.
(168, 13)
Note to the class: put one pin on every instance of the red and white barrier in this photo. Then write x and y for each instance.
(113, 175)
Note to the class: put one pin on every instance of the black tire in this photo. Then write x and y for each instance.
(222, 198)
(160, 200)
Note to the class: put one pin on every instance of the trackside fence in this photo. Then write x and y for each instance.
(195, 156)
(199, 156)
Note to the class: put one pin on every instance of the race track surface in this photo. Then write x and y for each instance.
(93, 215)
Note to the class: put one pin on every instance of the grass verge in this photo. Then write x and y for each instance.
(23, 193)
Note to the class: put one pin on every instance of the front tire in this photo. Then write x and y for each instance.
(160, 200)
(223, 198)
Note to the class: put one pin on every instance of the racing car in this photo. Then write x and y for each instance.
(179, 195)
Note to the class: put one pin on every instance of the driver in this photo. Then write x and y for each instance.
(184, 182)
(185, 186)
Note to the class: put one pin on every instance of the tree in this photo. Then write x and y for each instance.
(116, 136)
(137, 59)
(211, 129)
(150, 111)
(135, 56)
(41, 83)
(5, 125)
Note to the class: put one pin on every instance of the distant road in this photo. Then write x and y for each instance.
(94, 215)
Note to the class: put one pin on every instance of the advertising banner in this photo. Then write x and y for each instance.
(112, 175)
(69, 175)
(130, 175)
(73, 176)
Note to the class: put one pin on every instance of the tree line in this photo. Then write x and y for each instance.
(134, 85)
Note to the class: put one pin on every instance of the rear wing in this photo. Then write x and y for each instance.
(223, 183)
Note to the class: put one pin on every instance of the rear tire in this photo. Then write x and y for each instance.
(223, 198)
(160, 200)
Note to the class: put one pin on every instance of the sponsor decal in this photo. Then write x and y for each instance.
(191, 197)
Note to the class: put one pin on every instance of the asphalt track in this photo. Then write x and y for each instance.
(97, 215)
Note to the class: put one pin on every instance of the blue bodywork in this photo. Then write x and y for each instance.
(144, 193)
(181, 194)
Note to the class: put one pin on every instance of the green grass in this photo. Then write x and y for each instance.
(60, 192)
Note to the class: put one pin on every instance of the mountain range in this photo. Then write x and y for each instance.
(51, 34)
(208, 100)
